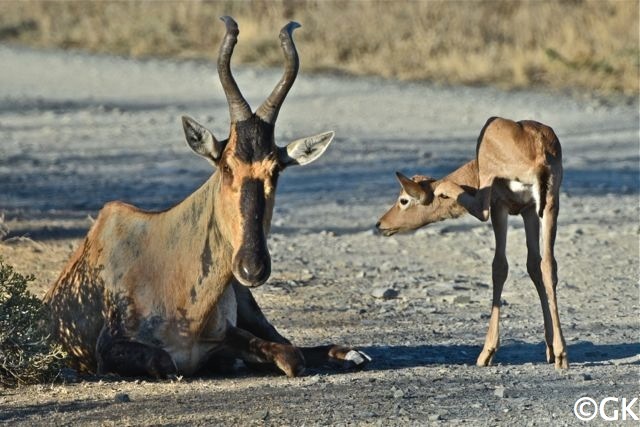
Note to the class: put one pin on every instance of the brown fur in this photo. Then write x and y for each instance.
(517, 163)
(151, 260)
(159, 293)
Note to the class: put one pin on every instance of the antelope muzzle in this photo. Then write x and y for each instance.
(252, 262)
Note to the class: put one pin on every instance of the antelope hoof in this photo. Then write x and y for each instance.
(550, 356)
(356, 359)
(349, 358)
(561, 361)
(290, 360)
(486, 357)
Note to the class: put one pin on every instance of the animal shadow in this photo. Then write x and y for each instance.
(510, 353)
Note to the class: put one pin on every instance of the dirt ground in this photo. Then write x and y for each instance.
(77, 131)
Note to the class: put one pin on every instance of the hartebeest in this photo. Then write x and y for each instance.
(167, 292)
(517, 171)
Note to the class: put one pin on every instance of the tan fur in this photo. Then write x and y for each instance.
(154, 260)
(518, 170)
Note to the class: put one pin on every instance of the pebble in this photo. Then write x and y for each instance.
(500, 392)
(384, 293)
(397, 393)
(462, 299)
(387, 266)
(586, 377)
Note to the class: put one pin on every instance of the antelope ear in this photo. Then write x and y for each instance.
(306, 150)
(414, 189)
(201, 141)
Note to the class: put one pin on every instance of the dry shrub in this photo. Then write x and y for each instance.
(27, 354)
(589, 44)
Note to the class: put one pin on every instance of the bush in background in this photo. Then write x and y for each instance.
(27, 354)
(579, 44)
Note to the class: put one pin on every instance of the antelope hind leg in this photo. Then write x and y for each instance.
(123, 356)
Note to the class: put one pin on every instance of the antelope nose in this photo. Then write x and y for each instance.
(255, 272)
(378, 225)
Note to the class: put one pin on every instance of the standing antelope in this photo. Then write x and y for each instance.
(159, 293)
(517, 171)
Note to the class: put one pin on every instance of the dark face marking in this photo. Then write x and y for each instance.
(252, 262)
(255, 140)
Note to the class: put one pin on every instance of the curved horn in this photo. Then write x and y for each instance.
(238, 107)
(269, 109)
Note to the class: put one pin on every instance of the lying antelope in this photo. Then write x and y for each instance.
(159, 293)
(517, 171)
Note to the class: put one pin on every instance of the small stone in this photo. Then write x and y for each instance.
(398, 394)
(122, 398)
(384, 293)
(387, 266)
(462, 299)
(313, 379)
(435, 417)
(586, 377)
(500, 392)
(305, 276)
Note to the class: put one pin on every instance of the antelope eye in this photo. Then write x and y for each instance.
(404, 202)
(226, 169)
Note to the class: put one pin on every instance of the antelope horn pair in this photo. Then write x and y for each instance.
(239, 109)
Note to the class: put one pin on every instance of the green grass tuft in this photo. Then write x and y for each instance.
(27, 354)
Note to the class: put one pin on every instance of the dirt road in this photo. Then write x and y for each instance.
(78, 130)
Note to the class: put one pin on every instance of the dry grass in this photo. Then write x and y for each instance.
(588, 44)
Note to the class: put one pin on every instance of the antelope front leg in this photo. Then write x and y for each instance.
(500, 269)
(549, 270)
(251, 319)
(252, 349)
(344, 357)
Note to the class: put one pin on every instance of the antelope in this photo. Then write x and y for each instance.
(167, 293)
(517, 171)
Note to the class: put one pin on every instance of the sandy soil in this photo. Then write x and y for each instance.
(78, 130)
